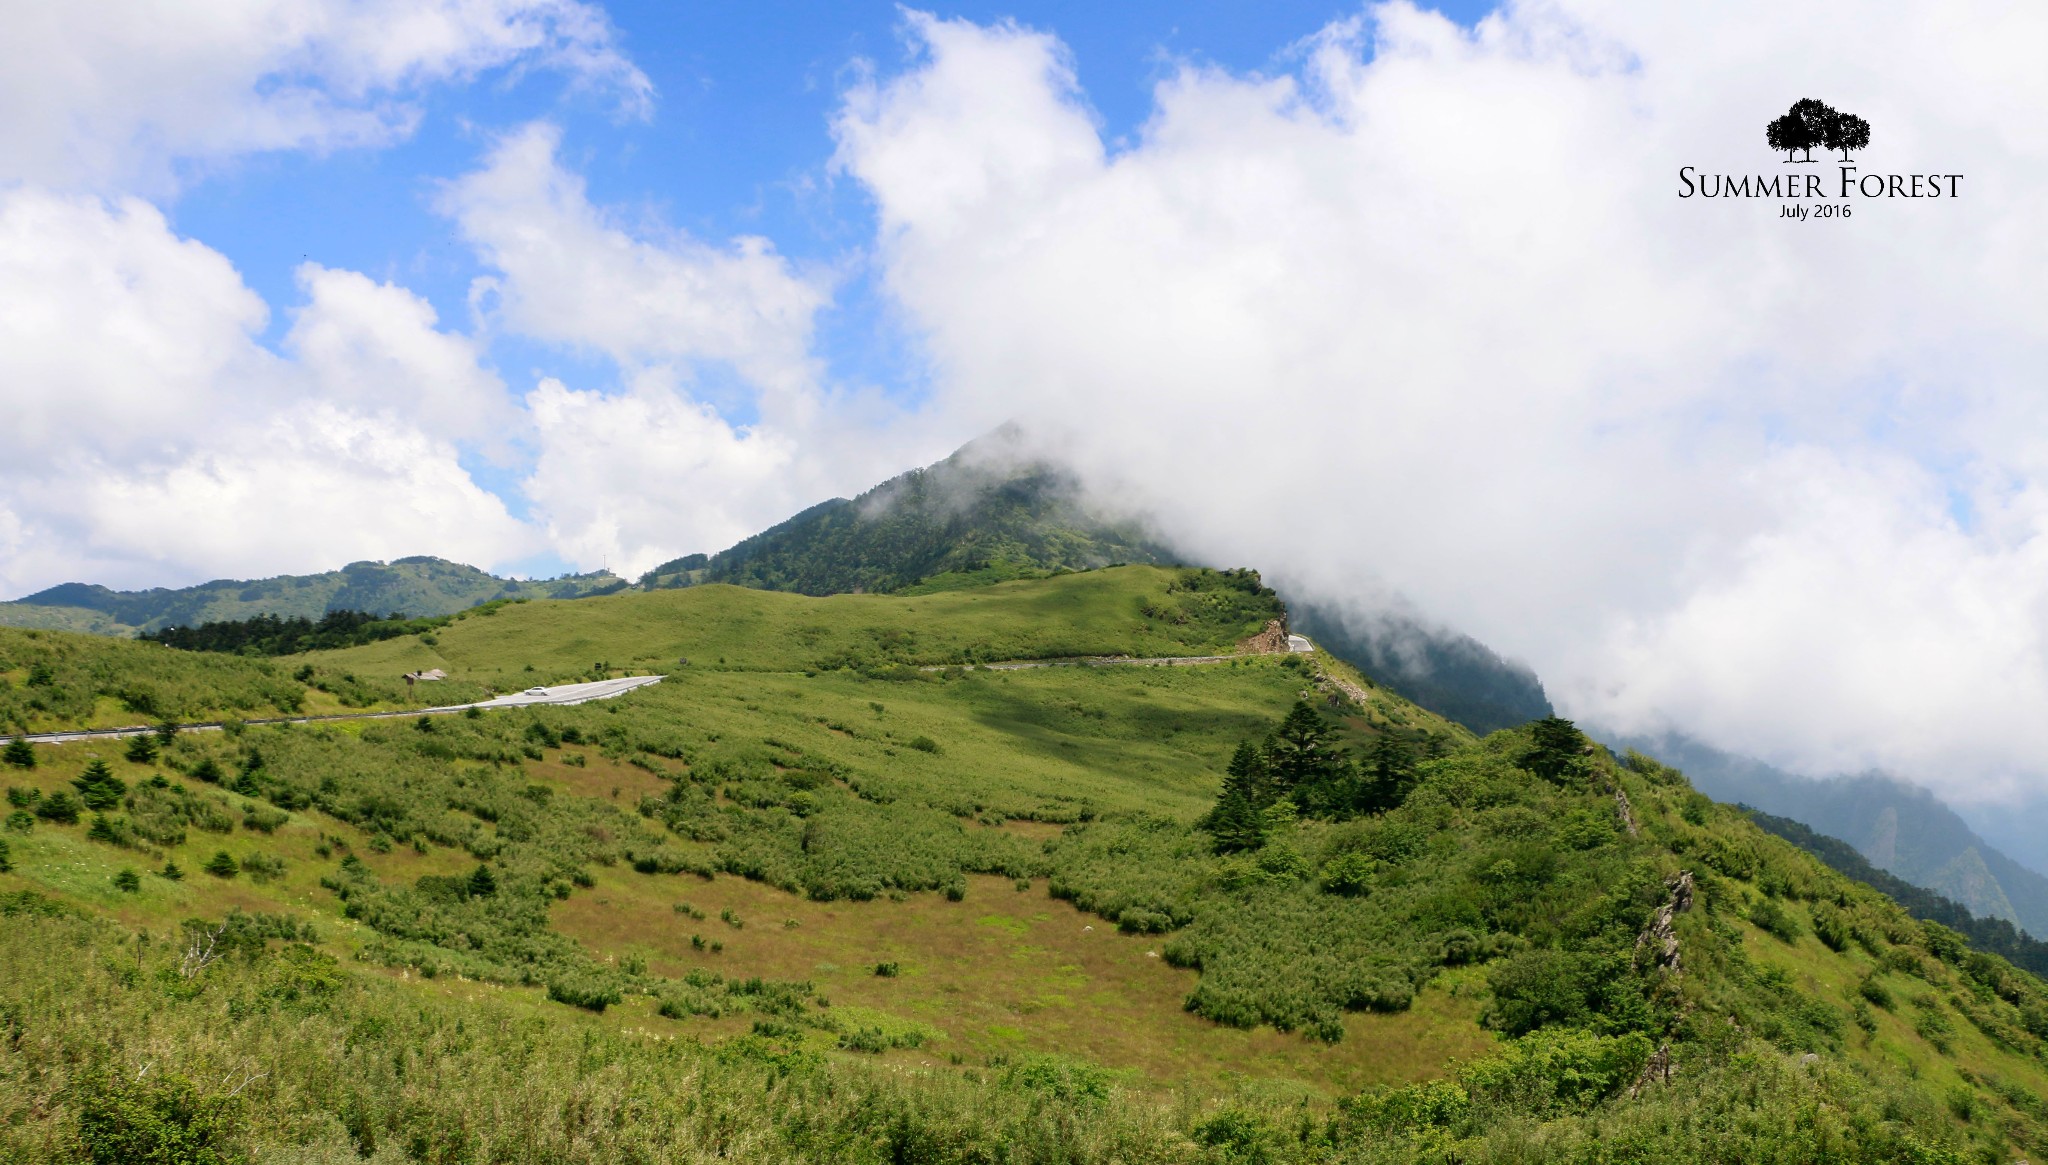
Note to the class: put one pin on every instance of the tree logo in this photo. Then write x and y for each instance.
(1811, 123)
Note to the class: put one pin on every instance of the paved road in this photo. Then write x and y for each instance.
(1126, 661)
(564, 694)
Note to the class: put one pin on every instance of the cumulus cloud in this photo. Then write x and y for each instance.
(569, 272)
(1424, 314)
(633, 478)
(152, 439)
(719, 388)
(109, 93)
(377, 347)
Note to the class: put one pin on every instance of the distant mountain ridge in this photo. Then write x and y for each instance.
(1899, 828)
(416, 586)
(1453, 675)
(1986, 934)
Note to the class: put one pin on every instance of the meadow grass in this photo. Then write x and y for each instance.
(712, 870)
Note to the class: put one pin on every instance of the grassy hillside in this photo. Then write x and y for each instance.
(1144, 611)
(1989, 934)
(806, 901)
(411, 586)
(1899, 828)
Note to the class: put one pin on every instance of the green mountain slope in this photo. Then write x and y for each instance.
(1897, 827)
(1990, 934)
(806, 900)
(410, 586)
(979, 515)
(987, 512)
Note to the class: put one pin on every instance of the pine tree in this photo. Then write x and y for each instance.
(222, 865)
(1390, 773)
(142, 749)
(20, 753)
(6, 859)
(60, 807)
(481, 883)
(98, 787)
(1307, 766)
(171, 871)
(1558, 752)
(128, 881)
(1237, 821)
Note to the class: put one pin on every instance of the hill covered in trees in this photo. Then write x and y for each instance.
(980, 515)
(837, 891)
(412, 587)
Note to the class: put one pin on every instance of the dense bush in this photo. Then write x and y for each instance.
(77, 671)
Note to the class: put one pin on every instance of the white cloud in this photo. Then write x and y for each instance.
(152, 440)
(310, 487)
(116, 330)
(570, 273)
(637, 478)
(376, 347)
(713, 345)
(102, 92)
(1428, 314)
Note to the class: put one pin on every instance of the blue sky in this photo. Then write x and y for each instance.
(738, 141)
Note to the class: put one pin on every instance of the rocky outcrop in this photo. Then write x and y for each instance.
(1660, 939)
(1271, 641)
(1627, 811)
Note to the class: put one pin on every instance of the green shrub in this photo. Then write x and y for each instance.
(886, 970)
(589, 989)
(20, 753)
(160, 1118)
(1875, 991)
(141, 749)
(1832, 927)
(1238, 1134)
(1432, 1104)
(263, 868)
(1772, 917)
(263, 819)
(59, 807)
(127, 881)
(1570, 1069)
(222, 865)
(1349, 874)
(111, 830)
